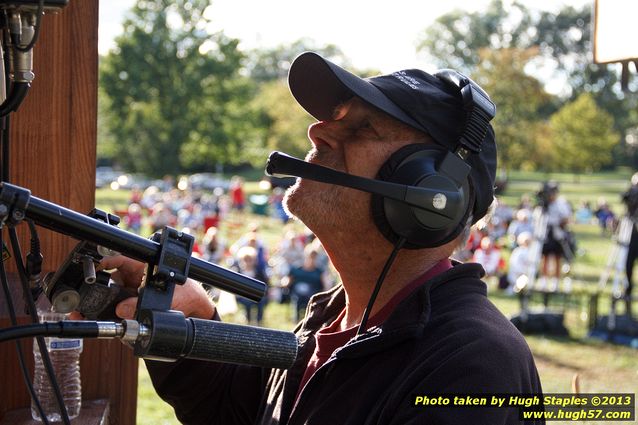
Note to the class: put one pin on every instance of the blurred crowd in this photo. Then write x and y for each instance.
(294, 267)
(534, 241)
(534, 237)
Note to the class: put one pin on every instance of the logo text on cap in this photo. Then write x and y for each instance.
(406, 79)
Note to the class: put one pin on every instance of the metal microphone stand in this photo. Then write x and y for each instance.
(167, 335)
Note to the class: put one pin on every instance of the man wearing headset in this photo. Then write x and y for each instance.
(430, 331)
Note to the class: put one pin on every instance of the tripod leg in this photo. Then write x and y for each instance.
(632, 254)
(604, 277)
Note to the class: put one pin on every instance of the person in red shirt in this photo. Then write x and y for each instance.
(237, 196)
(489, 256)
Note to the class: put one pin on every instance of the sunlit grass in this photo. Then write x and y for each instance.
(151, 410)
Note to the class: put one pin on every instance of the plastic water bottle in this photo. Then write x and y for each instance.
(65, 357)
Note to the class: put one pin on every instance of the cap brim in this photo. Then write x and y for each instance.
(319, 86)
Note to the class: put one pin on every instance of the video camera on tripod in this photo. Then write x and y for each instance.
(550, 236)
(618, 261)
(630, 199)
(546, 195)
(616, 327)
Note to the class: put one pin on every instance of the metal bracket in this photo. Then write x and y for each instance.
(156, 294)
(170, 268)
(104, 216)
(76, 285)
(14, 201)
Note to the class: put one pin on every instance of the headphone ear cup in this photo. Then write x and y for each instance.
(385, 173)
(418, 165)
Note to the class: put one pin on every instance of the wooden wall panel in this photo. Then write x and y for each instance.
(53, 153)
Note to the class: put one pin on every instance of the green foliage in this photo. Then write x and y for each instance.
(520, 100)
(175, 98)
(107, 146)
(563, 43)
(583, 135)
(284, 122)
(456, 38)
(172, 88)
(265, 65)
(226, 131)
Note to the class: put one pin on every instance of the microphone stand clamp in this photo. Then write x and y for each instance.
(14, 201)
(169, 330)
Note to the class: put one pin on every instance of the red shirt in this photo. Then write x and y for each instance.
(237, 195)
(330, 338)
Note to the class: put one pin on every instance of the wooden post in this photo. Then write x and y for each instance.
(53, 153)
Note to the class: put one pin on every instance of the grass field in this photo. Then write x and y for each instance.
(600, 366)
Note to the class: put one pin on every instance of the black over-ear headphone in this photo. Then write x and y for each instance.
(423, 192)
(434, 167)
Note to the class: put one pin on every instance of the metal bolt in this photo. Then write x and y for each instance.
(172, 274)
(18, 215)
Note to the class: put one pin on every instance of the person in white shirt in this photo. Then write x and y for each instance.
(489, 256)
(519, 262)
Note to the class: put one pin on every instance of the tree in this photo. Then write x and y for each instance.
(520, 100)
(272, 64)
(583, 135)
(175, 95)
(107, 147)
(281, 121)
(563, 42)
(456, 38)
(284, 123)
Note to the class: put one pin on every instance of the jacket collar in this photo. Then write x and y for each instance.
(408, 320)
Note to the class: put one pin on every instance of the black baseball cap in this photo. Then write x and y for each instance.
(414, 97)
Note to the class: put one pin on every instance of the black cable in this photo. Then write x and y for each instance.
(377, 287)
(14, 99)
(63, 328)
(34, 262)
(19, 90)
(35, 239)
(14, 323)
(46, 359)
(5, 148)
(6, 47)
(36, 32)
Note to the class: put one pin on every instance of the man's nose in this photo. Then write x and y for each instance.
(326, 134)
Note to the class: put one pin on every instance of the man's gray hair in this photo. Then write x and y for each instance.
(464, 236)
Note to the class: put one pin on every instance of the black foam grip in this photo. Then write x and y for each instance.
(239, 344)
